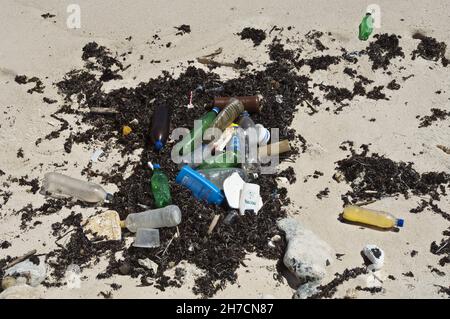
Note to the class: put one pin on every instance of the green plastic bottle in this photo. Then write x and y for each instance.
(227, 159)
(366, 27)
(197, 132)
(160, 187)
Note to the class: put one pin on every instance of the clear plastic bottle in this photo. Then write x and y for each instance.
(60, 185)
(226, 117)
(371, 217)
(218, 175)
(250, 140)
(169, 216)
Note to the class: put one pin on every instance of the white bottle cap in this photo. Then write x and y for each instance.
(263, 134)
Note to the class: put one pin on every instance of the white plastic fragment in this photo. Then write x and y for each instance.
(375, 255)
(98, 156)
(35, 274)
(279, 98)
(73, 276)
(149, 264)
(232, 188)
(250, 199)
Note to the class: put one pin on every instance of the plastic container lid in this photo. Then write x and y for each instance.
(159, 145)
(147, 238)
(400, 222)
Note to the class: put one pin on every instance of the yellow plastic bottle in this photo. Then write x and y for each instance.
(371, 217)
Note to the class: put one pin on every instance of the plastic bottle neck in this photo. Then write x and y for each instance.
(159, 145)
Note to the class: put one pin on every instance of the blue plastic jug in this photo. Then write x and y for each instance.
(200, 186)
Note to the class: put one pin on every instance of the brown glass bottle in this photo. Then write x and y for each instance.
(160, 126)
(252, 104)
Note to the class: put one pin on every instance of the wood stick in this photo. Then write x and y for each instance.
(211, 55)
(20, 259)
(215, 63)
(103, 110)
(445, 149)
(213, 224)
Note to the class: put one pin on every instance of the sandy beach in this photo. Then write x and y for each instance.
(391, 127)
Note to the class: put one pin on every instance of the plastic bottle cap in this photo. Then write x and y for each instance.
(263, 134)
(216, 109)
(156, 166)
(400, 222)
(109, 197)
(245, 113)
(159, 145)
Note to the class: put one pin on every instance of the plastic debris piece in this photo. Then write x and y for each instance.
(232, 187)
(98, 156)
(126, 130)
(375, 255)
(147, 238)
(35, 274)
(105, 225)
(250, 199)
(148, 264)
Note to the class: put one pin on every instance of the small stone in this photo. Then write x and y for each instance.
(307, 290)
(125, 269)
(8, 282)
(351, 293)
(306, 254)
(276, 238)
(149, 264)
(20, 292)
(339, 177)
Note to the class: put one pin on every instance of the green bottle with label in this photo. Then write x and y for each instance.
(160, 187)
(366, 27)
(197, 132)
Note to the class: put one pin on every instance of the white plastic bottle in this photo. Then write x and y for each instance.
(59, 185)
(169, 216)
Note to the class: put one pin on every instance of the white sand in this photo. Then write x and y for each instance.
(38, 47)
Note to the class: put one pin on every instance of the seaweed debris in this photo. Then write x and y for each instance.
(430, 49)
(436, 115)
(256, 35)
(383, 50)
(375, 176)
